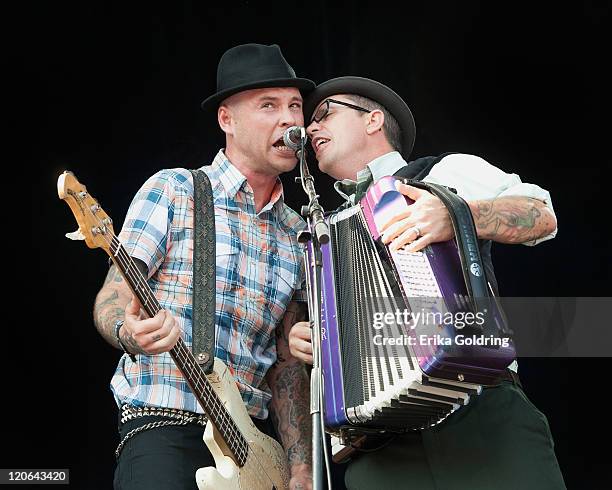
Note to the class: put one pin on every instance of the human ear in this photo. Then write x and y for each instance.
(376, 119)
(224, 117)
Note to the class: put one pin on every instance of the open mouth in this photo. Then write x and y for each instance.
(318, 143)
(280, 146)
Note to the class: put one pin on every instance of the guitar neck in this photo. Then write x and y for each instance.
(183, 357)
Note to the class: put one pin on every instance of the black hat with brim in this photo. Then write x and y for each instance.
(372, 90)
(251, 66)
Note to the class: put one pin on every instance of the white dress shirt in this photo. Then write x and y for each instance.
(473, 178)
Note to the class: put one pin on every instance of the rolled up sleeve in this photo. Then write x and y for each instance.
(536, 192)
(474, 178)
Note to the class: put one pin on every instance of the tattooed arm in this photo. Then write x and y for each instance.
(290, 407)
(512, 219)
(139, 334)
(507, 219)
(110, 306)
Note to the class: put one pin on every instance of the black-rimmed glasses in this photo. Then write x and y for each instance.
(321, 112)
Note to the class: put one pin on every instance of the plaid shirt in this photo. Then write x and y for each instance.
(259, 267)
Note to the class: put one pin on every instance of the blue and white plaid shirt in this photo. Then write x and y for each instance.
(259, 269)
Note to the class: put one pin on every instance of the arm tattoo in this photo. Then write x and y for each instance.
(290, 412)
(113, 276)
(511, 219)
(289, 382)
(109, 306)
(131, 345)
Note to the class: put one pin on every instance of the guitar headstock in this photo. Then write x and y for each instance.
(95, 226)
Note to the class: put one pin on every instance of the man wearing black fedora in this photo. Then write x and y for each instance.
(360, 131)
(258, 274)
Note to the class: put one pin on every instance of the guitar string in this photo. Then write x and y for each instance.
(105, 232)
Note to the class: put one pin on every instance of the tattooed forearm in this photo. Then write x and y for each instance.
(130, 343)
(113, 275)
(291, 412)
(512, 219)
(110, 305)
(288, 380)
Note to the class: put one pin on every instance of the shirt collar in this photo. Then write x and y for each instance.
(346, 188)
(277, 198)
(381, 166)
(386, 164)
(230, 178)
(233, 181)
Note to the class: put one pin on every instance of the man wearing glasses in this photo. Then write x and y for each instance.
(360, 131)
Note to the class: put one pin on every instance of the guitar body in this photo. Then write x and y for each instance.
(266, 463)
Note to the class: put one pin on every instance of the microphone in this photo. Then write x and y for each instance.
(294, 136)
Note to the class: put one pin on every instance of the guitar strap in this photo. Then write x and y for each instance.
(204, 266)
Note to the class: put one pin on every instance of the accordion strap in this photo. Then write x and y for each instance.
(467, 243)
(204, 263)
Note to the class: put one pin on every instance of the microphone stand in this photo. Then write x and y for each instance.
(313, 212)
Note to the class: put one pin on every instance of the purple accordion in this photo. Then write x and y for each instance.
(406, 338)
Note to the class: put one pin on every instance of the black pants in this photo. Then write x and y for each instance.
(500, 441)
(165, 458)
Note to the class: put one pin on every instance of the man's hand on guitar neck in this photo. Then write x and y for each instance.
(139, 334)
(143, 335)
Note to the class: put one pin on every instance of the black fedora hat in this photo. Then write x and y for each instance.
(250, 66)
(372, 90)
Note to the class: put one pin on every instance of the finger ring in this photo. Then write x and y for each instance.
(417, 231)
(156, 338)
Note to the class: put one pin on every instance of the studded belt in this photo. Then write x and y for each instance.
(129, 412)
(167, 416)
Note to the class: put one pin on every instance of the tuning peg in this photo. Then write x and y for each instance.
(76, 235)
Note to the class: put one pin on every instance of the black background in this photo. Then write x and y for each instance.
(112, 92)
